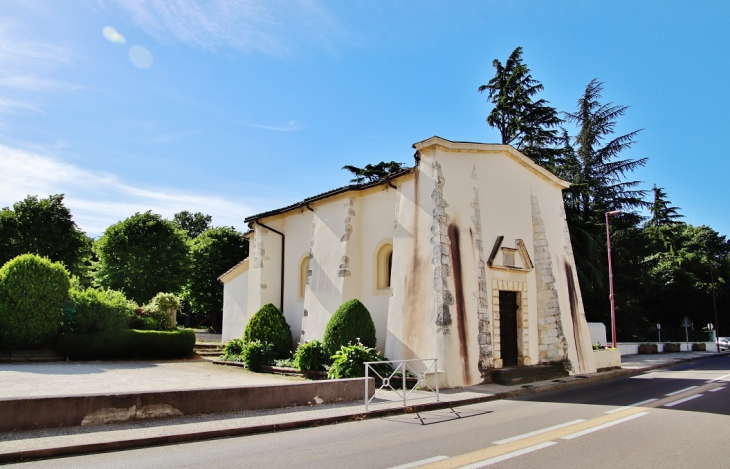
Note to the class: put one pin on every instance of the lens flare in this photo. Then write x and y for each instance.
(112, 35)
(140, 56)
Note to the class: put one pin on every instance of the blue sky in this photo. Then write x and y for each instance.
(237, 107)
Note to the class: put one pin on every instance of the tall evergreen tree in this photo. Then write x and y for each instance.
(371, 173)
(599, 184)
(529, 125)
(662, 213)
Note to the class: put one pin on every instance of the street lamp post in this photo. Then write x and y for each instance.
(610, 276)
(714, 265)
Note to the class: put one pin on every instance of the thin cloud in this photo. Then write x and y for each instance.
(10, 105)
(99, 199)
(289, 127)
(274, 27)
(31, 83)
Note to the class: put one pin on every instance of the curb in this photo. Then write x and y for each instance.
(75, 450)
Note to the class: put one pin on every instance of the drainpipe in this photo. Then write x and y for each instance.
(281, 300)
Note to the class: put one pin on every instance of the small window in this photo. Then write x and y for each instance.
(303, 276)
(384, 266)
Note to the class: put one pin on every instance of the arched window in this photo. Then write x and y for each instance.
(384, 267)
(303, 274)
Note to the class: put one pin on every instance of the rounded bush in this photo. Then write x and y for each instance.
(256, 354)
(101, 310)
(233, 349)
(32, 293)
(269, 325)
(350, 324)
(310, 356)
(349, 362)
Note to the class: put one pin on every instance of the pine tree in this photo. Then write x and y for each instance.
(528, 125)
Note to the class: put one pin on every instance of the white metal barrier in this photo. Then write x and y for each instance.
(404, 367)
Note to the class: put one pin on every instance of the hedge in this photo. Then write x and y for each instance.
(101, 310)
(350, 324)
(129, 343)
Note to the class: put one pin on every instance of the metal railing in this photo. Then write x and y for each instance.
(399, 375)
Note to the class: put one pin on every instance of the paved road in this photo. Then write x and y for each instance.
(683, 421)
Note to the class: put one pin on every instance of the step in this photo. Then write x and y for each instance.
(208, 345)
(529, 374)
(208, 353)
(30, 356)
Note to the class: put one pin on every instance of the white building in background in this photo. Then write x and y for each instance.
(465, 257)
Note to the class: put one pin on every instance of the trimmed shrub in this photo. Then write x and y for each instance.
(310, 356)
(269, 325)
(101, 310)
(32, 294)
(350, 324)
(232, 350)
(256, 354)
(349, 361)
(127, 343)
(157, 315)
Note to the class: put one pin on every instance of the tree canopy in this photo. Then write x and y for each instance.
(142, 256)
(372, 173)
(194, 224)
(44, 227)
(530, 125)
(212, 253)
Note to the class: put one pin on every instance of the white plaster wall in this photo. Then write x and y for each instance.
(265, 266)
(376, 217)
(235, 302)
(598, 333)
(412, 330)
(324, 293)
(297, 228)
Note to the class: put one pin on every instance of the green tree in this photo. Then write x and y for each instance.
(142, 256)
(45, 227)
(662, 213)
(529, 125)
(194, 224)
(372, 173)
(598, 178)
(213, 252)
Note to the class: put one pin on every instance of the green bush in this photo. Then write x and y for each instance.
(157, 314)
(101, 310)
(32, 294)
(349, 361)
(310, 356)
(268, 325)
(350, 324)
(232, 350)
(256, 354)
(127, 343)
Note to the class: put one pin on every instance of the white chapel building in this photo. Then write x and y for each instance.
(465, 257)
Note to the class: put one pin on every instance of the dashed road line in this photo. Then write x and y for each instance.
(537, 432)
(681, 391)
(680, 401)
(504, 457)
(619, 409)
(717, 389)
(420, 463)
(602, 426)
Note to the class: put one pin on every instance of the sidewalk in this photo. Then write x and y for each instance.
(87, 439)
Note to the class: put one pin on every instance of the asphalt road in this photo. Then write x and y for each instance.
(682, 420)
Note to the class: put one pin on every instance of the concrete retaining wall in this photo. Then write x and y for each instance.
(64, 411)
(632, 348)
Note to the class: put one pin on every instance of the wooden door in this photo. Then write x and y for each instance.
(508, 327)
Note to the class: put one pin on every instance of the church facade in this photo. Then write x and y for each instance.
(466, 257)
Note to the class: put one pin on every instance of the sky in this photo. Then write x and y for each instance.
(235, 107)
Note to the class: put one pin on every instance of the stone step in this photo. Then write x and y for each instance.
(30, 356)
(517, 375)
(208, 353)
(208, 346)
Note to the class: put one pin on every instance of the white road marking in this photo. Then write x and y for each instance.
(689, 398)
(717, 389)
(605, 425)
(537, 432)
(681, 391)
(718, 379)
(629, 406)
(504, 457)
(420, 463)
